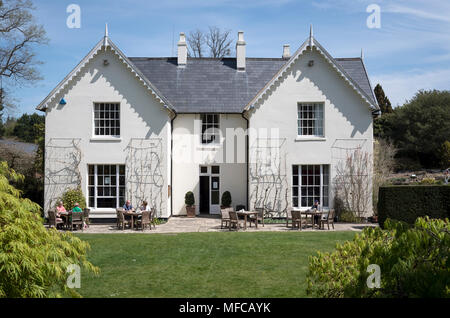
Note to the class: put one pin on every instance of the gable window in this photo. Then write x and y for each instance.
(310, 183)
(106, 186)
(210, 128)
(107, 119)
(310, 119)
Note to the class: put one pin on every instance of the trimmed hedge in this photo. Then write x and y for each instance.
(407, 203)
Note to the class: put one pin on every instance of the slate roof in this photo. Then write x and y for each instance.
(214, 85)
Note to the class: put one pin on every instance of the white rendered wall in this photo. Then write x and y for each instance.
(189, 154)
(347, 118)
(142, 117)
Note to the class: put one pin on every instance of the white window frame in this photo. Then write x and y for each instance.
(96, 186)
(119, 120)
(315, 127)
(299, 187)
(212, 131)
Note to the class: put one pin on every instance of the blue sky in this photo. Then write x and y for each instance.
(410, 51)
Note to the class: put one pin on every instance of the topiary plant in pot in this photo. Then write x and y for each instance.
(189, 200)
(226, 200)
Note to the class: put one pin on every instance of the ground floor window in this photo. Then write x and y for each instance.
(310, 183)
(106, 185)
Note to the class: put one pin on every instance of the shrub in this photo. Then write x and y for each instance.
(444, 153)
(428, 181)
(226, 199)
(33, 260)
(413, 260)
(347, 216)
(72, 196)
(406, 203)
(189, 199)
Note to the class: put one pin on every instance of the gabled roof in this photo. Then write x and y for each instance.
(207, 84)
(103, 45)
(358, 71)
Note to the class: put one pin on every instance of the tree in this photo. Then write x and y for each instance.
(25, 128)
(420, 127)
(445, 154)
(383, 101)
(19, 34)
(33, 259)
(196, 42)
(384, 164)
(217, 41)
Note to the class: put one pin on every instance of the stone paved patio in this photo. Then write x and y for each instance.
(212, 224)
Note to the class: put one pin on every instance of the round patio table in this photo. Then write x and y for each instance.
(132, 214)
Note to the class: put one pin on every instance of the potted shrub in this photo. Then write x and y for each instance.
(189, 200)
(226, 200)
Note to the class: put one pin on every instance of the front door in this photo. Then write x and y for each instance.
(204, 194)
(210, 189)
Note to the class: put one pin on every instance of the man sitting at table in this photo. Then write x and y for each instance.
(317, 208)
(127, 206)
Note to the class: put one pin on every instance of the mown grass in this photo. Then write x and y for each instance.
(232, 264)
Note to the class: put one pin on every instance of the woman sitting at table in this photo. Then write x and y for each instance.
(144, 206)
(59, 208)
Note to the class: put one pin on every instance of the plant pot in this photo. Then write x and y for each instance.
(375, 219)
(190, 211)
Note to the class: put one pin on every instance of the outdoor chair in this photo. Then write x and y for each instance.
(76, 220)
(121, 221)
(53, 220)
(225, 214)
(288, 216)
(234, 220)
(297, 219)
(152, 218)
(144, 220)
(327, 218)
(86, 212)
(258, 217)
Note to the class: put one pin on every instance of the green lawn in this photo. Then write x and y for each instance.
(233, 264)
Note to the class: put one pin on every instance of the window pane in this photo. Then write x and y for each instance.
(215, 169)
(214, 197)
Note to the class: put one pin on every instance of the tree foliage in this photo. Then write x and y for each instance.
(420, 127)
(383, 100)
(414, 262)
(26, 129)
(33, 259)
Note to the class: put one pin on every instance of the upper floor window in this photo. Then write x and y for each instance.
(210, 128)
(310, 119)
(107, 119)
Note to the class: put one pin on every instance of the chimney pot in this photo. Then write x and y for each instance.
(240, 52)
(182, 50)
(286, 51)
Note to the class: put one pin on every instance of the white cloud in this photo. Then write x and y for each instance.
(400, 87)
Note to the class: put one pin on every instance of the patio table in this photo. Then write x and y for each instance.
(132, 214)
(312, 213)
(245, 214)
(65, 216)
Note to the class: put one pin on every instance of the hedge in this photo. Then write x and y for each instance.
(406, 203)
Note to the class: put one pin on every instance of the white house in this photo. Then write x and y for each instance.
(269, 130)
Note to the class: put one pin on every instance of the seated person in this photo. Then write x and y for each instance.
(144, 206)
(77, 208)
(316, 207)
(59, 208)
(127, 206)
